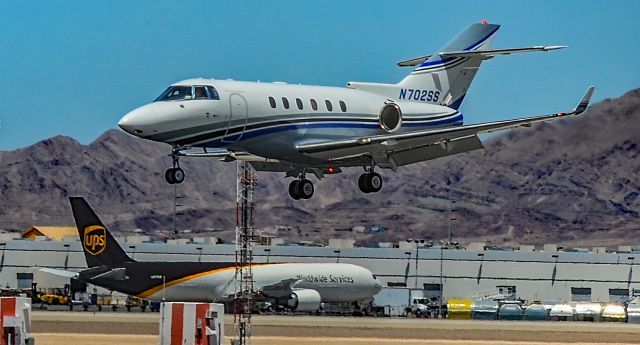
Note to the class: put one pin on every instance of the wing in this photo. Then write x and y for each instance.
(258, 163)
(278, 289)
(392, 150)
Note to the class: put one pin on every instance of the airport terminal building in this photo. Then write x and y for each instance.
(459, 273)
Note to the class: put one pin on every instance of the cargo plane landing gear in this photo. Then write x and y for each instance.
(370, 182)
(301, 188)
(174, 175)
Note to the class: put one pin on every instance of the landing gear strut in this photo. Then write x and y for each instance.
(301, 189)
(174, 175)
(370, 182)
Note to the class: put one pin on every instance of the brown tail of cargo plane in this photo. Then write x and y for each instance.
(100, 248)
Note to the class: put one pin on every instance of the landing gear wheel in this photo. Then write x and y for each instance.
(362, 184)
(168, 176)
(370, 182)
(301, 189)
(374, 182)
(305, 189)
(178, 175)
(174, 175)
(293, 190)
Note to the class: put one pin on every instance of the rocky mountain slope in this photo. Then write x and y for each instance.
(573, 182)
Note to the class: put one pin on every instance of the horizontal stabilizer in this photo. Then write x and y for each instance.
(119, 273)
(59, 273)
(485, 54)
(413, 62)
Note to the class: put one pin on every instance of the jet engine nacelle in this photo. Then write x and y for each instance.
(304, 300)
(390, 117)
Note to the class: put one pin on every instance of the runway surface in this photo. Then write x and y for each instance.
(58, 328)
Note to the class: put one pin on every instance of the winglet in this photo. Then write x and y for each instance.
(547, 48)
(584, 102)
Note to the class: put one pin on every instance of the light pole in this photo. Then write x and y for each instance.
(449, 212)
(441, 286)
(406, 271)
(4, 246)
(555, 269)
(631, 260)
(66, 258)
(268, 250)
(133, 251)
(199, 254)
(481, 256)
(417, 242)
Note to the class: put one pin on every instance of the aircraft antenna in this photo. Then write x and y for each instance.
(245, 238)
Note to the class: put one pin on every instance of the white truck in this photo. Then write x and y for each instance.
(400, 301)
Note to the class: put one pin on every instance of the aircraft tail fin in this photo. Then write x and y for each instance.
(100, 248)
(447, 78)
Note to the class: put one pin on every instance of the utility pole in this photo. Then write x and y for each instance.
(449, 212)
(416, 268)
(441, 287)
(245, 238)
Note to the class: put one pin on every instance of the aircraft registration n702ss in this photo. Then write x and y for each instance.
(318, 130)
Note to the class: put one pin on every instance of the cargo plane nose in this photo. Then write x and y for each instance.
(377, 286)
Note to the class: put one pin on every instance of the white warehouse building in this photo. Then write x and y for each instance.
(529, 275)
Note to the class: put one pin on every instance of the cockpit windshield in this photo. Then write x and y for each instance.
(183, 93)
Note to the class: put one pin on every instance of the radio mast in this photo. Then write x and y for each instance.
(245, 238)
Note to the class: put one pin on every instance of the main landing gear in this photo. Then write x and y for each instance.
(370, 182)
(174, 175)
(301, 189)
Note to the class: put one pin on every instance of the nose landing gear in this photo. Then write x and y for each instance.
(174, 175)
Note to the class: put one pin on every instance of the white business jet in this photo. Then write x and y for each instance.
(303, 129)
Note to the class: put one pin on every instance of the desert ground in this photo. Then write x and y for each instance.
(63, 328)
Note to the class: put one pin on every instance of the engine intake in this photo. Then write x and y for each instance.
(304, 300)
(390, 117)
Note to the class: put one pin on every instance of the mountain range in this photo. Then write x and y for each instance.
(574, 182)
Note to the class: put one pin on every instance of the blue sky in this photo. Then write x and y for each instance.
(76, 67)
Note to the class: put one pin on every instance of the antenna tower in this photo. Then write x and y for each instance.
(245, 238)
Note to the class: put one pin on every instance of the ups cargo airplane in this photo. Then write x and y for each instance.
(302, 129)
(300, 286)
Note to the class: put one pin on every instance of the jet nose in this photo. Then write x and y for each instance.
(131, 123)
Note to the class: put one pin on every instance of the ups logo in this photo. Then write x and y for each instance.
(95, 239)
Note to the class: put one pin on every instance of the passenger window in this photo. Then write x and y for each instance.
(201, 92)
(213, 94)
(299, 103)
(343, 107)
(314, 105)
(328, 104)
(285, 102)
(272, 102)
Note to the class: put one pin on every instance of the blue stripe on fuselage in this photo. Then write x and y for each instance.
(266, 131)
